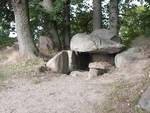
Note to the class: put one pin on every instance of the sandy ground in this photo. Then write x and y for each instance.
(63, 94)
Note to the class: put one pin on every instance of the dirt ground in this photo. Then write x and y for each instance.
(35, 92)
(63, 94)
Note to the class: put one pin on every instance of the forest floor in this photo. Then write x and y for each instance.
(23, 89)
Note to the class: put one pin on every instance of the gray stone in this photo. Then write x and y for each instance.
(103, 34)
(141, 41)
(59, 63)
(127, 57)
(45, 44)
(98, 68)
(89, 43)
(93, 73)
(72, 60)
(139, 51)
(144, 101)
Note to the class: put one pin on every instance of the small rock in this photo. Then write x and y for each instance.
(93, 73)
(78, 73)
(98, 68)
(43, 69)
(144, 101)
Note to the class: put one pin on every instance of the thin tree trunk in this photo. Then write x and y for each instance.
(48, 6)
(67, 33)
(24, 36)
(97, 14)
(54, 34)
(114, 20)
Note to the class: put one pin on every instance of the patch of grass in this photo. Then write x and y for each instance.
(2, 77)
(28, 67)
(125, 96)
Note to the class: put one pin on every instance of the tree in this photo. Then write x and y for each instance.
(24, 36)
(97, 14)
(113, 17)
(67, 29)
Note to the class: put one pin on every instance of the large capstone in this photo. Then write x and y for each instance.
(94, 44)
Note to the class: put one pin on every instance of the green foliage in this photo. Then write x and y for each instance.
(6, 16)
(81, 20)
(135, 22)
(5, 41)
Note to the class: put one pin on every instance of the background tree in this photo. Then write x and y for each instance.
(113, 17)
(53, 18)
(97, 14)
(67, 29)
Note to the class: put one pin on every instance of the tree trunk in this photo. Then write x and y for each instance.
(53, 32)
(67, 34)
(52, 27)
(26, 46)
(97, 14)
(114, 16)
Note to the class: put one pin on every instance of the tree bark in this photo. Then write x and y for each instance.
(97, 14)
(67, 31)
(113, 18)
(24, 36)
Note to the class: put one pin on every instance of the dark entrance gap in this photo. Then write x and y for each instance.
(83, 59)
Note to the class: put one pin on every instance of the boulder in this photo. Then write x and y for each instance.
(141, 41)
(129, 56)
(139, 51)
(93, 44)
(59, 63)
(103, 34)
(45, 44)
(144, 101)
